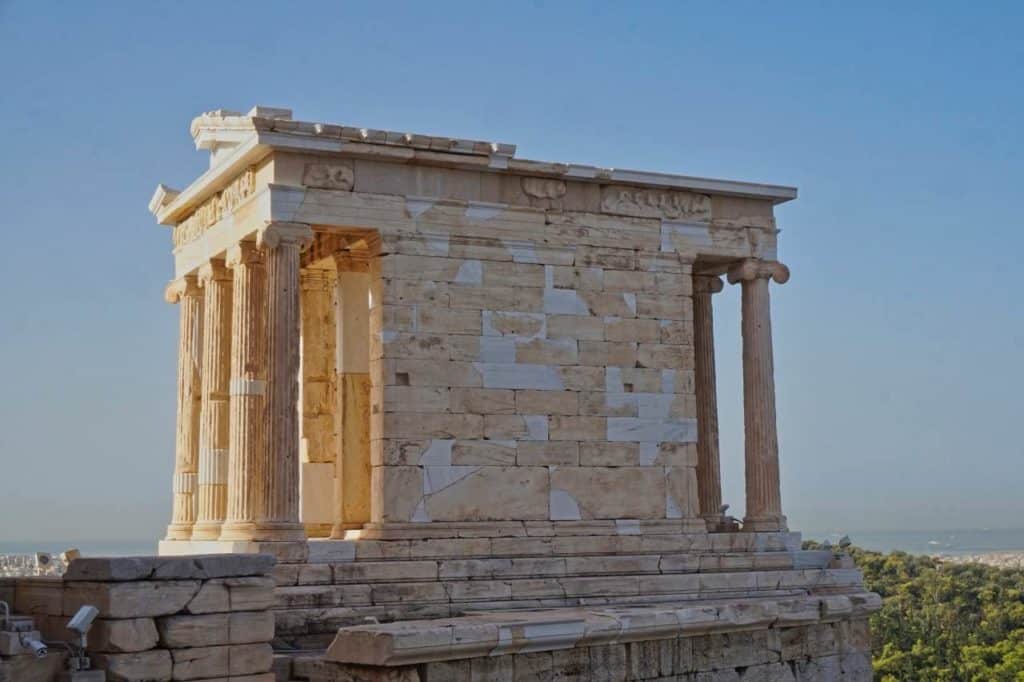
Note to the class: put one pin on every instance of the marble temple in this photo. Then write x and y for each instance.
(468, 401)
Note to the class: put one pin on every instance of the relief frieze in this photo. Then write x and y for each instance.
(329, 176)
(215, 208)
(654, 203)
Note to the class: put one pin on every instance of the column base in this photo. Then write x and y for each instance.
(179, 531)
(207, 530)
(765, 524)
(269, 531)
(339, 530)
(318, 530)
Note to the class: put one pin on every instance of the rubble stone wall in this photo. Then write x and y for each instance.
(825, 651)
(162, 618)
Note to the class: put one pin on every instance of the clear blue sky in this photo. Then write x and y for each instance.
(899, 339)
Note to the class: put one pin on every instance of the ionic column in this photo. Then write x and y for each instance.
(761, 441)
(185, 292)
(279, 519)
(318, 443)
(352, 463)
(215, 279)
(709, 476)
(247, 392)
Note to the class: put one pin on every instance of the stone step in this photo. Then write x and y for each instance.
(312, 609)
(521, 567)
(346, 551)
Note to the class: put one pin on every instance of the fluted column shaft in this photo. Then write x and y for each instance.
(185, 292)
(352, 466)
(709, 476)
(280, 509)
(215, 280)
(247, 418)
(761, 442)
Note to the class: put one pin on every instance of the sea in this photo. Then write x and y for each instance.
(930, 542)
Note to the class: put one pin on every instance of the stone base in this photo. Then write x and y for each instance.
(816, 639)
(284, 552)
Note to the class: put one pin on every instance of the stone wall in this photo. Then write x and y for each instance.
(825, 651)
(531, 381)
(163, 618)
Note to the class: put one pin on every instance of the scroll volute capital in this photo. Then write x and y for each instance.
(187, 285)
(752, 268)
(214, 270)
(243, 253)
(707, 284)
(278, 234)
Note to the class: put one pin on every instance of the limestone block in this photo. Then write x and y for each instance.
(544, 453)
(398, 490)
(546, 402)
(221, 661)
(385, 571)
(582, 378)
(316, 486)
(632, 330)
(563, 428)
(548, 352)
(416, 399)
(510, 274)
(434, 319)
(652, 430)
(409, 372)
(112, 568)
(608, 353)
(493, 493)
(314, 574)
(610, 493)
(145, 665)
(241, 627)
(43, 596)
(408, 592)
(232, 594)
(676, 332)
(408, 425)
(140, 599)
(603, 454)
(514, 324)
(681, 492)
(516, 427)
(522, 376)
(123, 636)
(608, 663)
(575, 327)
(483, 401)
(483, 452)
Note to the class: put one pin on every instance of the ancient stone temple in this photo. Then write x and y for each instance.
(468, 401)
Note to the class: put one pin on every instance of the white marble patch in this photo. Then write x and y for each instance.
(438, 453)
(470, 272)
(630, 429)
(668, 381)
(648, 454)
(549, 276)
(627, 526)
(536, 427)
(672, 510)
(248, 386)
(437, 244)
(564, 302)
(420, 515)
(481, 212)
(509, 375)
(563, 506)
(613, 380)
(630, 300)
(417, 207)
(497, 349)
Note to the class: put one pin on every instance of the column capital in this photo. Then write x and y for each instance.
(214, 269)
(187, 285)
(243, 253)
(707, 284)
(274, 234)
(352, 260)
(753, 268)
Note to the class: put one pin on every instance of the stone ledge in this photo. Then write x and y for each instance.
(120, 569)
(495, 634)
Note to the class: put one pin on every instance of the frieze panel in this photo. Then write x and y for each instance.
(329, 176)
(215, 208)
(653, 203)
(543, 188)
